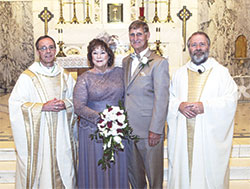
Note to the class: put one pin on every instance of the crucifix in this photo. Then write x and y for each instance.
(184, 14)
(45, 16)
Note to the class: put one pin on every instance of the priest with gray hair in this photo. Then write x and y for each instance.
(203, 101)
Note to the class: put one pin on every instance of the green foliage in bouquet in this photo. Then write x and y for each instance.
(112, 128)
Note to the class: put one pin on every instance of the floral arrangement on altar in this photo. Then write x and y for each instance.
(111, 40)
(112, 128)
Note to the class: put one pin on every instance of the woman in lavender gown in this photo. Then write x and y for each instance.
(95, 88)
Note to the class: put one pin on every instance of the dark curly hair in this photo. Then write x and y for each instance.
(100, 43)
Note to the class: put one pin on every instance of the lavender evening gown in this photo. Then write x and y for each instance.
(91, 94)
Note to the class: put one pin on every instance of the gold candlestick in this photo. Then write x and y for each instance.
(61, 19)
(74, 19)
(87, 19)
(169, 18)
(60, 52)
(156, 18)
(157, 48)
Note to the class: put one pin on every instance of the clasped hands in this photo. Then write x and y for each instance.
(54, 105)
(191, 109)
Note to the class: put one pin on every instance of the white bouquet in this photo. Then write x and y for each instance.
(112, 128)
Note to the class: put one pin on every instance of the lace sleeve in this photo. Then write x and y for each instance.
(80, 100)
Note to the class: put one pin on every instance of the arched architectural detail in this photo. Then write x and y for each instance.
(241, 47)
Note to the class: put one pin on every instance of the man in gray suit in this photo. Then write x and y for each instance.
(146, 77)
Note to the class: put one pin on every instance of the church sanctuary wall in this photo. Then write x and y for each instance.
(16, 41)
(224, 21)
(79, 35)
(25, 27)
(20, 27)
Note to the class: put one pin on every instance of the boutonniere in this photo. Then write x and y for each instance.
(144, 61)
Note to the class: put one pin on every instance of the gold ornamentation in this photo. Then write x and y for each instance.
(45, 16)
(74, 19)
(157, 48)
(61, 19)
(60, 52)
(156, 18)
(184, 14)
(97, 11)
(87, 19)
(115, 12)
(73, 51)
(169, 18)
(241, 47)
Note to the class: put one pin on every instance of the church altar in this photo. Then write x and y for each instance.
(72, 62)
(79, 64)
(76, 64)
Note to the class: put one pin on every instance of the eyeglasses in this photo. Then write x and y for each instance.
(194, 45)
(44, 48)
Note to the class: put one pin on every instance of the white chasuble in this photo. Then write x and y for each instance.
(213, 130)
(44, 142)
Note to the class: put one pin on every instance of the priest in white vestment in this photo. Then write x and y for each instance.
(203, 101)
(42, 119)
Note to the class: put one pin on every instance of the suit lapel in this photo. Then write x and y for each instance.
(128, 71)
(138, 69)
